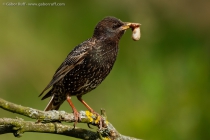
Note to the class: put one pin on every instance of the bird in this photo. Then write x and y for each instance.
(86, 66)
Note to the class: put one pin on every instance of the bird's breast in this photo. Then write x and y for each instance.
(91, 72)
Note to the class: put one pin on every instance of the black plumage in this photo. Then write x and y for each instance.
(87, 65)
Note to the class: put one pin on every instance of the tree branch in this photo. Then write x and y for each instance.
(48, 123)
(19, 126)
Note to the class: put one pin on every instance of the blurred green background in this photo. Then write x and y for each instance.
(159, 88)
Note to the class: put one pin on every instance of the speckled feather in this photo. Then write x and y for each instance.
(87, 65)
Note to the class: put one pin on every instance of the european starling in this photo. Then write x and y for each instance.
(87, 65)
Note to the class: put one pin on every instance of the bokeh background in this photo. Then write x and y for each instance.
(159, 88)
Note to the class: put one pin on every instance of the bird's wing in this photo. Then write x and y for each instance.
(74, 58)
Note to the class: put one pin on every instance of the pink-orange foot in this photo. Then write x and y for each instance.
(76, 113)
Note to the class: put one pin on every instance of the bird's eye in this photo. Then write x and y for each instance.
(115, 26)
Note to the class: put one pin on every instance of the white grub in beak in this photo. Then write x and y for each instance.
(135, 27)
(136, 34)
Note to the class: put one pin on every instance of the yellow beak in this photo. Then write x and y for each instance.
(128, 25)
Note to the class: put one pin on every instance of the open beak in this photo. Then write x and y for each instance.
(125, 26)
(128, 25)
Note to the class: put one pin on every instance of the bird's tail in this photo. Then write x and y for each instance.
(51, 105)
(56, 100)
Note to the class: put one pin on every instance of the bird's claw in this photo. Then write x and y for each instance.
(76, 118)
(99, 120)
(88, 124)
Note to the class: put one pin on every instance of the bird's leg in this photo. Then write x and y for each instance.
(91, 110)
(76, 114)
(84, 103)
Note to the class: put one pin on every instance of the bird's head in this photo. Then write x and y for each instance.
(110, 28)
